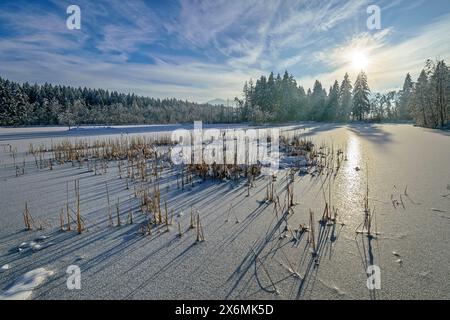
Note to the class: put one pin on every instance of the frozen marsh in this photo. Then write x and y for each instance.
(253, 248)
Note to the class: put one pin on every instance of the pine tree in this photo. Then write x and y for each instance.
(420, 101)
(4, 101)
(440, 84)
(14, 106)
(345, 99)
(45, 104)
(361, 92)
(404, 111)
(318, 99)
(333, 103)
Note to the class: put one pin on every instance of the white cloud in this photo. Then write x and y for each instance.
(389, 62)
(235, 40)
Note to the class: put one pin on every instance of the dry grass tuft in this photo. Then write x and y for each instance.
(27, 219)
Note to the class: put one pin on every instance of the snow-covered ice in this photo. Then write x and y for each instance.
(22, 289)
(409, 176)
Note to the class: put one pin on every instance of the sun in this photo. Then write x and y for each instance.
(359, 60)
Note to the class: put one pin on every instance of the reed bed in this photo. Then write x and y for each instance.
(141, 167)
(140, 163)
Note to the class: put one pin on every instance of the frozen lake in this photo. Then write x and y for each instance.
(409, 180)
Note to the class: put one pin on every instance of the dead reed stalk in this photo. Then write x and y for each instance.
(192, 226)
(61, 220)
(311, 231)
(200, 235)
(180, 234)
(118, 212)
(109, 206)
(67, 207)
(130, 217)
(27, 218)
(79, 222)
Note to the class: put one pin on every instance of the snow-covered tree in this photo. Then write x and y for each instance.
(361, 92)
(345, 99)
(404, 111)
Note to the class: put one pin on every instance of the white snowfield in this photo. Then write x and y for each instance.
(23, 287)
(409, 176)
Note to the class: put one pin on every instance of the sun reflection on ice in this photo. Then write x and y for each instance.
(353, 154)
(351, 177)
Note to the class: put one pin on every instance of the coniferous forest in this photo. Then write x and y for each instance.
(425, 101)
(25, 104)
(276, 98)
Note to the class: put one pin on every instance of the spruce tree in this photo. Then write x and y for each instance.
(333, 103)
(440, 86)
(361, 92)
(318, 99)
(403, 109)
(345, 99)
(420, 101)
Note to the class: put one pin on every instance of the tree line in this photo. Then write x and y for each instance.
(25, 104)
(269, 99)
(276, 98)
(427, 101)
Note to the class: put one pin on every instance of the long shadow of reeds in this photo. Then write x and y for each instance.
(367, 257)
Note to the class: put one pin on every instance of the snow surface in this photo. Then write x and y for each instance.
(120, 263)
(23, 288)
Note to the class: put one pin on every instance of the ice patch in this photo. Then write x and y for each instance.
(24, 286)
(35, 245)
(23, 245)
(5, 267)
(42, 238)
(32, 245)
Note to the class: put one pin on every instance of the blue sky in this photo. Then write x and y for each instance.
(201, 50)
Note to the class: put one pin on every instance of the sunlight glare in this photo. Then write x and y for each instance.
(359, 60)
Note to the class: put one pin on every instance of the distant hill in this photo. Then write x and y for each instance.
(218, 102)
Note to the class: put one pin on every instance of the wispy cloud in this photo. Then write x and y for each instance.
(201, 50)
(389, 62)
